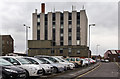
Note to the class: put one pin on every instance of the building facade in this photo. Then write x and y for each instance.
(59, 33)
(7, 44)
(112, 55)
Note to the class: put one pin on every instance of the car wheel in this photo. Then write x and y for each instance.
(43, 71)
(27, 74)
(55, 70)
(3, 76)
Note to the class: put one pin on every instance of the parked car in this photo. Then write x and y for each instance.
(31, 69)
(56, 66)
(47, 68)
(9, 71)
(55, 60)
(91, 61)
(106, 60)
(102, 60)
(75, 60)
(71, 65)
(85, 62)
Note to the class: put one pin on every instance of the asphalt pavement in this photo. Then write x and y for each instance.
(109, 70)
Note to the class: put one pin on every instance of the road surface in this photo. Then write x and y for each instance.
(109, 70)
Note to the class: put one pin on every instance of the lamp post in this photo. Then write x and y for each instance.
(26, 38)
(89, 40)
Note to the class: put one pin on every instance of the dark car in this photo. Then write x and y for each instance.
(11, 72)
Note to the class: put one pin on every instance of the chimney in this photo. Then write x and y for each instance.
(43, 8)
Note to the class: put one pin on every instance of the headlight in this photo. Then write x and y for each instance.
(9, 70)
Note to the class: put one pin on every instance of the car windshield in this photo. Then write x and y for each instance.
(5, 63)
(68, 59)
(44, 61)
(72, 59)
(23, 61)
(77, 59)
(52, 59)
(61, 59)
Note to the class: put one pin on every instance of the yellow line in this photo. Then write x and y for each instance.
(88, 72)
(118, 64)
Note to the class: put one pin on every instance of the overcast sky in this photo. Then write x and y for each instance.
(104, 14)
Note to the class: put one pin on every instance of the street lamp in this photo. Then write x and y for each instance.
(26, 38)
(89, 33)
(89, 40)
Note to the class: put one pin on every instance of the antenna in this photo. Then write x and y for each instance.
(83, 7)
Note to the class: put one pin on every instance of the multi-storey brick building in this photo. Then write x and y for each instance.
(7, 44)
(59, 33)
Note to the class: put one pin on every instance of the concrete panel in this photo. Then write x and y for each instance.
(83, 27)
(65, 28)
(57, 36)
(74, 25)
(34, 26)
(50, 26)
(39, 44)
(42, 26)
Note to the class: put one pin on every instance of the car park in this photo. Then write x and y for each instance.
(31, 69)
(75, 60)
(55, 60)
(47, 68)
(56, 66)
(9, 71)
(71, 65)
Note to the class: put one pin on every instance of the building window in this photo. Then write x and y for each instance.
(78, 15)
(38, 16)
(61, 26)
(38, 27)
(78, 21)
(78, 51)
(52, 51)
(61, 30)
(69, 50)
(38, 34)
(46, 32)
(61, 38)
(61, 16)
(61, 43)
(70, 16)
(69, 26)
(46, 19)
(46, 27)
(78, 42)
(69, 42)
(61, 50)
(38, 19)
(53, 15)
(61, 34)
(69, 38)
(69, 30)
(70, 22)
(38, 23)
(53, 23)
(78, 35)
(61, 22)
